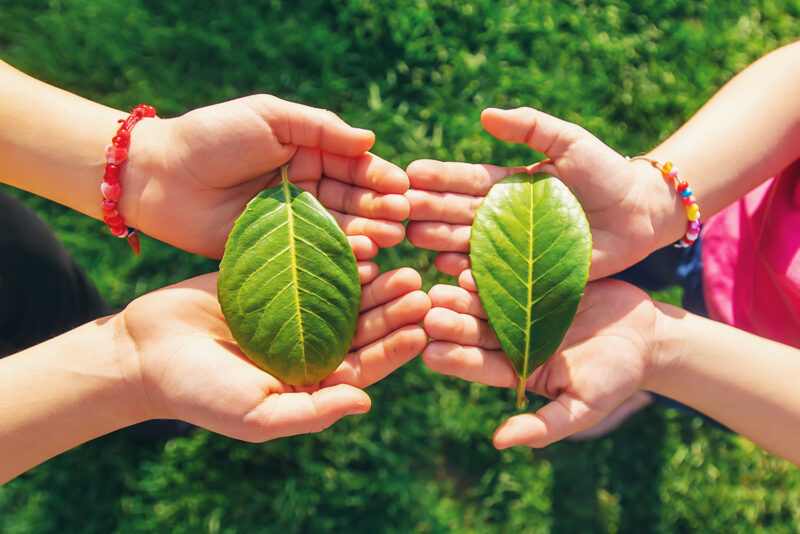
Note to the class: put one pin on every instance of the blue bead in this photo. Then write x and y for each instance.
(686, 192)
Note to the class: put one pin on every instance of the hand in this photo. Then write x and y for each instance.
(624, 202)
(189, 178)
(606, 356)
(190, 368)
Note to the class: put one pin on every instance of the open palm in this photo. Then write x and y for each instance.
(189, 178)
(618, 196)
(601, 362)
(191, 368)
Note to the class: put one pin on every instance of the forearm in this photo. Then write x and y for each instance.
(52, 142)
(746, 382)
(748, 131)
(62, 393)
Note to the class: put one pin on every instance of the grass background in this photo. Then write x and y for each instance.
(418, 72)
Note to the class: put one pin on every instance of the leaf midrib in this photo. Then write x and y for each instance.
(293, 253)
(530, 289)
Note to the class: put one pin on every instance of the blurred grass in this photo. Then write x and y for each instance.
(418, 72)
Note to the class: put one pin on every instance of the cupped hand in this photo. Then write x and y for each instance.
(187, 179)
(605, 357)
(190, 368)
(625, 201)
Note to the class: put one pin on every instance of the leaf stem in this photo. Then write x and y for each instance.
(522, 400)
(285, 173)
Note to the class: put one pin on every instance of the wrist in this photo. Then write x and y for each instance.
(667, 212)
(127, 362)
(145, 161)
(668, 346)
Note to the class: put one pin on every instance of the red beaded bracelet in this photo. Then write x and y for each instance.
(111, 188)
(670, 174)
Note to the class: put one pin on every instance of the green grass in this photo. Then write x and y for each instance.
(418, 73)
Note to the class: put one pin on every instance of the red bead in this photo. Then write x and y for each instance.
(112, 174)
(120, 142)
(682, 185)
(119, 231)
(110, 211)
(112, 170)
(116, 155)
(688, 201)
(142, 111)
(116, 220)
(111, 191)
(124, 134)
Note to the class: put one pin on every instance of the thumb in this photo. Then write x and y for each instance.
(289, 414)
(296, 124)
(541, 132)
(554, 421)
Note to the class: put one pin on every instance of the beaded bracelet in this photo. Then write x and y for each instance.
(110, 188)
(670, 174)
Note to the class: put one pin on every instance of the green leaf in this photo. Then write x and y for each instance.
(530, 250)
(289, 286)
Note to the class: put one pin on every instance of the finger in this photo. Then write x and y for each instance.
(363, 247)
(554, 421)
(367, 272)
(452, 263)
(379, 322)
(371, 363)
(384, 233)
(444, 324)
(204, 282)
(456, 177)
(390, 286)
(355, 200)
(366, 170)
(296, 124)
(457, 299)
(490, 367)
(540, 131)
(289, 414)
(445, 207)
(466, 281)
(439, 236)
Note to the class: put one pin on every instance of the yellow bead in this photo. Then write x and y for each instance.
(693, 212)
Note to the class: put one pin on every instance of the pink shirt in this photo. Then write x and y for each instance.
(751, 260)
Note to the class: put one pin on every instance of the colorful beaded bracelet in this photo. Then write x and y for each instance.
(670, 174)
(110, 188)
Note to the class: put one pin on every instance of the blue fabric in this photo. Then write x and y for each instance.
(690, 276)
(671, 266)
